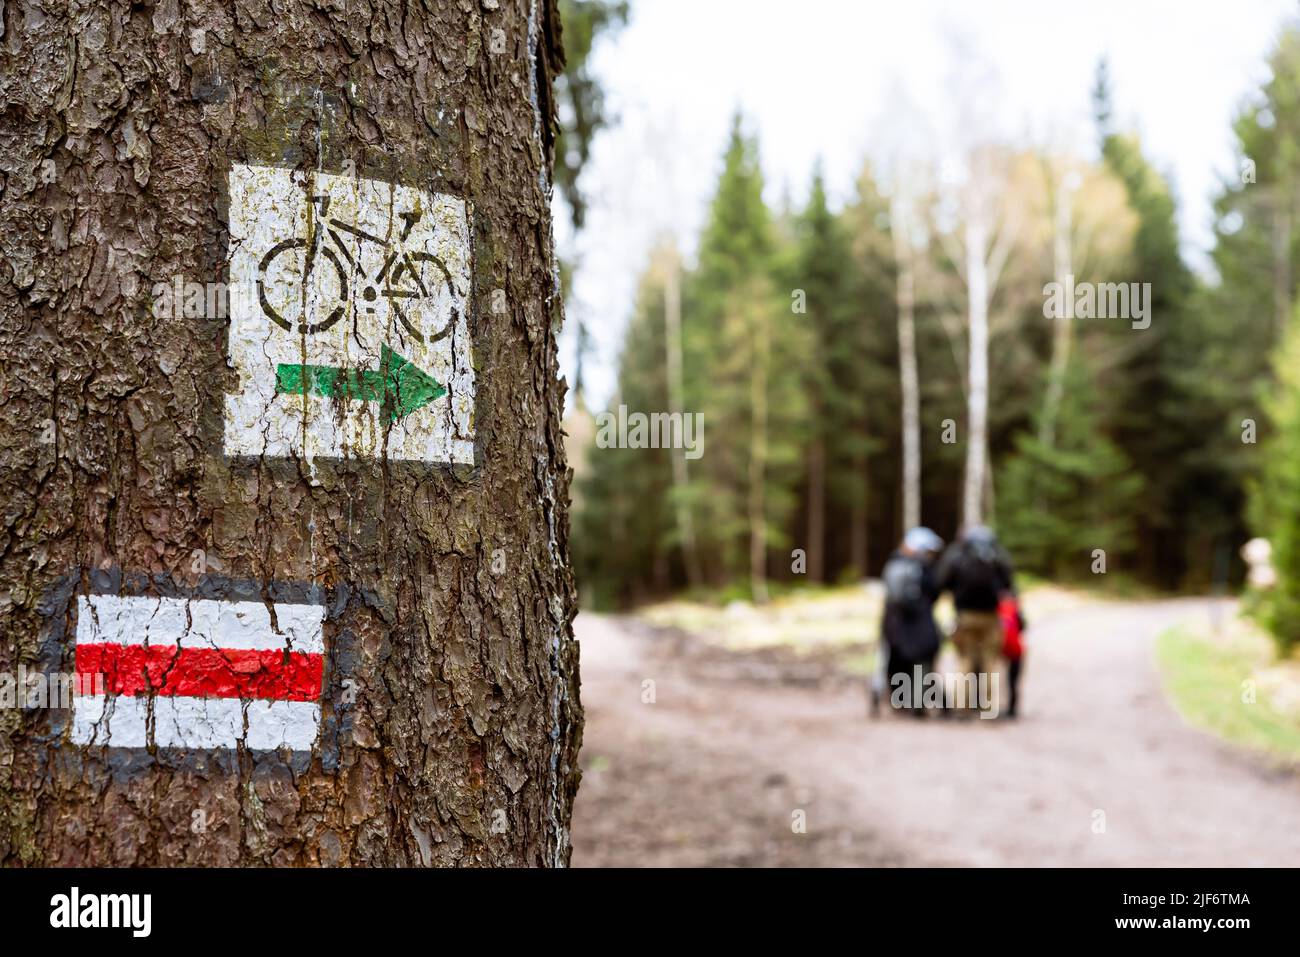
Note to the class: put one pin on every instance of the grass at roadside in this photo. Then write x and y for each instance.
(803, 620)
(1231, 685)
(843, 619)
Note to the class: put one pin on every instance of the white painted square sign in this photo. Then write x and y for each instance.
(198, 673)
(350, 337)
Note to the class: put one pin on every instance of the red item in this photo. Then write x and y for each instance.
(266, 673)
(1009, 613)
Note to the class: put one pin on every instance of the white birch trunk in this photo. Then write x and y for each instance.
(900, 227)
(977, 288)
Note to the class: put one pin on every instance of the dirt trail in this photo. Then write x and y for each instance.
(713, 772)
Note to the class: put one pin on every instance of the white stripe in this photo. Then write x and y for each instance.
(120, 721)
(114, 719)
(196, 622)
(282, 724)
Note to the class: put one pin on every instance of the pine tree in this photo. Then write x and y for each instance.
(1237, 322)
(623, 548)
(1275, 495)
(1182, 385)
(1061, 501)
(863, 368)
(822, 274)
(732, 319)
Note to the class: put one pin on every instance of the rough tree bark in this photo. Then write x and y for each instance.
(449, 710)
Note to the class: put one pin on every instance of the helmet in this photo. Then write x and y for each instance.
(922, 539)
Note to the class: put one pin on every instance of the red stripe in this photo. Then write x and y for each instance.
(203, 672)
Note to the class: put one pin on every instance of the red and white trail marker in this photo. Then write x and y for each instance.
(198, 673)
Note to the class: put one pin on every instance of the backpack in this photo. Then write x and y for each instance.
(980, 580)
(1013, 645)
(905, 585)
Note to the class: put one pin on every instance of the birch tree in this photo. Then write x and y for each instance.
(901, 228)
(986, 240)
(978, 241)
(1092, 231)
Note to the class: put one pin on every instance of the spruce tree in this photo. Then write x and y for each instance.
(730, 300)
(863, 367)
(1157, 392)
(622, 548)
(822, 274)
(1060, 502)
(1275, 495)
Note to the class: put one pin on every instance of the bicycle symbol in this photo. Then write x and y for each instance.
(405, 277)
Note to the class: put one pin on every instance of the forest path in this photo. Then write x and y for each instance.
(734, 745)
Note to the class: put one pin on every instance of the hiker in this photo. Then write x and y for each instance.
(908, 635)
(1013, 645)
(978, 573)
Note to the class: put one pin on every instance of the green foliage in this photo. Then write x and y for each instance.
(861, 348)
(581, 101)
(1148, 389)
(736, 259)
(1170, 392)
(1203, 674)
(622, 544)
(842, 373)
(1275, 495)
(744, 361)
(738, 240)
(745, 358)
(1219, 356)
(1060, 502)
(1146, 462)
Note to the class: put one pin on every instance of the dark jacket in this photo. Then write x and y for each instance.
(908, 627)
(977, 574)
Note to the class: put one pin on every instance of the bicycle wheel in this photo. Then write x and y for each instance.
(418, 277)
(269, 261)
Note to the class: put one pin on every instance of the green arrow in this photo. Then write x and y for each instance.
(399, 385)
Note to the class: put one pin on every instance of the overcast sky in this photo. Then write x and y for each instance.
(835, 80)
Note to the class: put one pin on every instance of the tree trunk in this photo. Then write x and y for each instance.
(758, 460)
(858, 518)
(323, 601)
(817, 507)
(990, 496)
(900, 227)
(977, 289)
